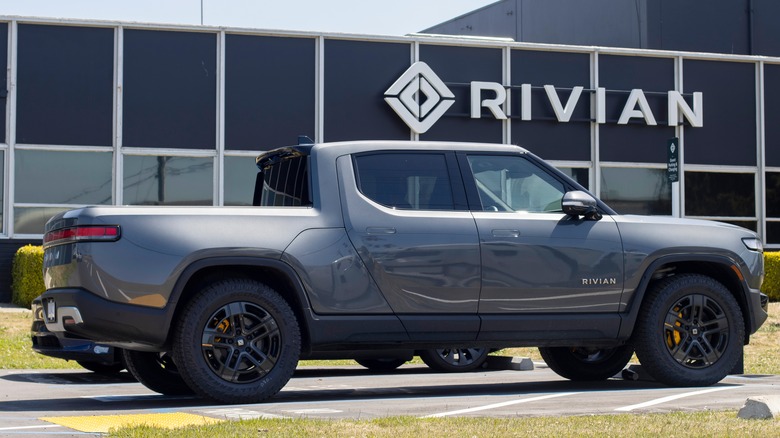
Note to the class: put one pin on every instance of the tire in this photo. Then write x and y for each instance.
(690, 331)
(239, 342)
(586, 364)
(103, 368)
(156, 371)
(388, 364)
(454, 360)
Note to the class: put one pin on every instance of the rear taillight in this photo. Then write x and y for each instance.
(87, 233)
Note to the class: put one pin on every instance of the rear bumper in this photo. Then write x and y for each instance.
(82, 313)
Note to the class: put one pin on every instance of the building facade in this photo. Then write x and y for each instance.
(112, 113)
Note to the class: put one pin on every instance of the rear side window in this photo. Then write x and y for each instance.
(405, 181)
(284, 183)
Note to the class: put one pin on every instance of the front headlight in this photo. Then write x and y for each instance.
(753, 244)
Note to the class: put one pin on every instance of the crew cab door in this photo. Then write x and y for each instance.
(536, 259)
(406, 214)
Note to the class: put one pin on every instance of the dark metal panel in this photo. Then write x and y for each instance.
(357, 73)
(269, 91)
(170, 94)
(728, 136)
(772, 113)
(457, 67)
(635, 142)
(544, 135)
(65, 78)
(766, 32)
(719, 26)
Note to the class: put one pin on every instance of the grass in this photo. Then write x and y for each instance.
(699, 424)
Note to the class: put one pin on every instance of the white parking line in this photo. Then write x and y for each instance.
(658, 401)
(500, 405)
(46, 426)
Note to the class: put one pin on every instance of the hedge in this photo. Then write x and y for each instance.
(771, 285)
(27, 281)
(27, 275)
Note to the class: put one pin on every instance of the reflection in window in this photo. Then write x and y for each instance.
(406, 181)
(30, 220)
(636, 190)
(160, 180)
(579, 174)
(81, 177)
(240, 176)
(720, 194)
(509, 183)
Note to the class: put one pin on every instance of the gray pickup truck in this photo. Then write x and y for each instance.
(367, 248)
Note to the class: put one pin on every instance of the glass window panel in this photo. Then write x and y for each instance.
(514, 184)
(636, 190)
(773, 194)
(30, 220)
(2, 189)
(81, 177)
(285, 183)
(65, 85)
(169, 96)
(161, 180)
(720, 194)
(240, 176)
(406, 181)
(773, 232)
(579, 174)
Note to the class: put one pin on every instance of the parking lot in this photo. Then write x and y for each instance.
(44, 402)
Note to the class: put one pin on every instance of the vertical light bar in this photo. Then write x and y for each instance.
(678, 187)
(119, 63)
(219, 179)
(761, 153)
(11, 128)
(594, 178)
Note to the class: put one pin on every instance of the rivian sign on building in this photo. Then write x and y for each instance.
(109, 113)
(420, 98)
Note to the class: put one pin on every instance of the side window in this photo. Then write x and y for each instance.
(285, 183)
(512, 183)
(406, 181)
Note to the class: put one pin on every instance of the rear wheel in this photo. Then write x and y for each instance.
(690, 331)
(239, 342)
(156, 371)
(455, 360)
(586, 364)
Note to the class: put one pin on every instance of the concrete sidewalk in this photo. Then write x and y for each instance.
(8, 307)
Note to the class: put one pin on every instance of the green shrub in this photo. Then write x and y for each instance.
(27, 275)
(771, 285)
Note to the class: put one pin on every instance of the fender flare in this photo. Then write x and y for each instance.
(628, 318)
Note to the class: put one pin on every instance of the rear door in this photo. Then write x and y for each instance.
(406, 214)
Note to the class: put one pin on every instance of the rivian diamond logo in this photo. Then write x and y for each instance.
(419, 97)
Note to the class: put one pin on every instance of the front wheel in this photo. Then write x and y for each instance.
(455, 360)
(690, 331)
(238, 342)
(586, 364)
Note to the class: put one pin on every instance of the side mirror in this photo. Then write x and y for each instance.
(579, 203)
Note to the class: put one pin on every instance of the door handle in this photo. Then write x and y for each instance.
(506, 233)
(380, 230)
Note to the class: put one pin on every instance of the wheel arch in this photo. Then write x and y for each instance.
(720, 268)
(274, 273)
